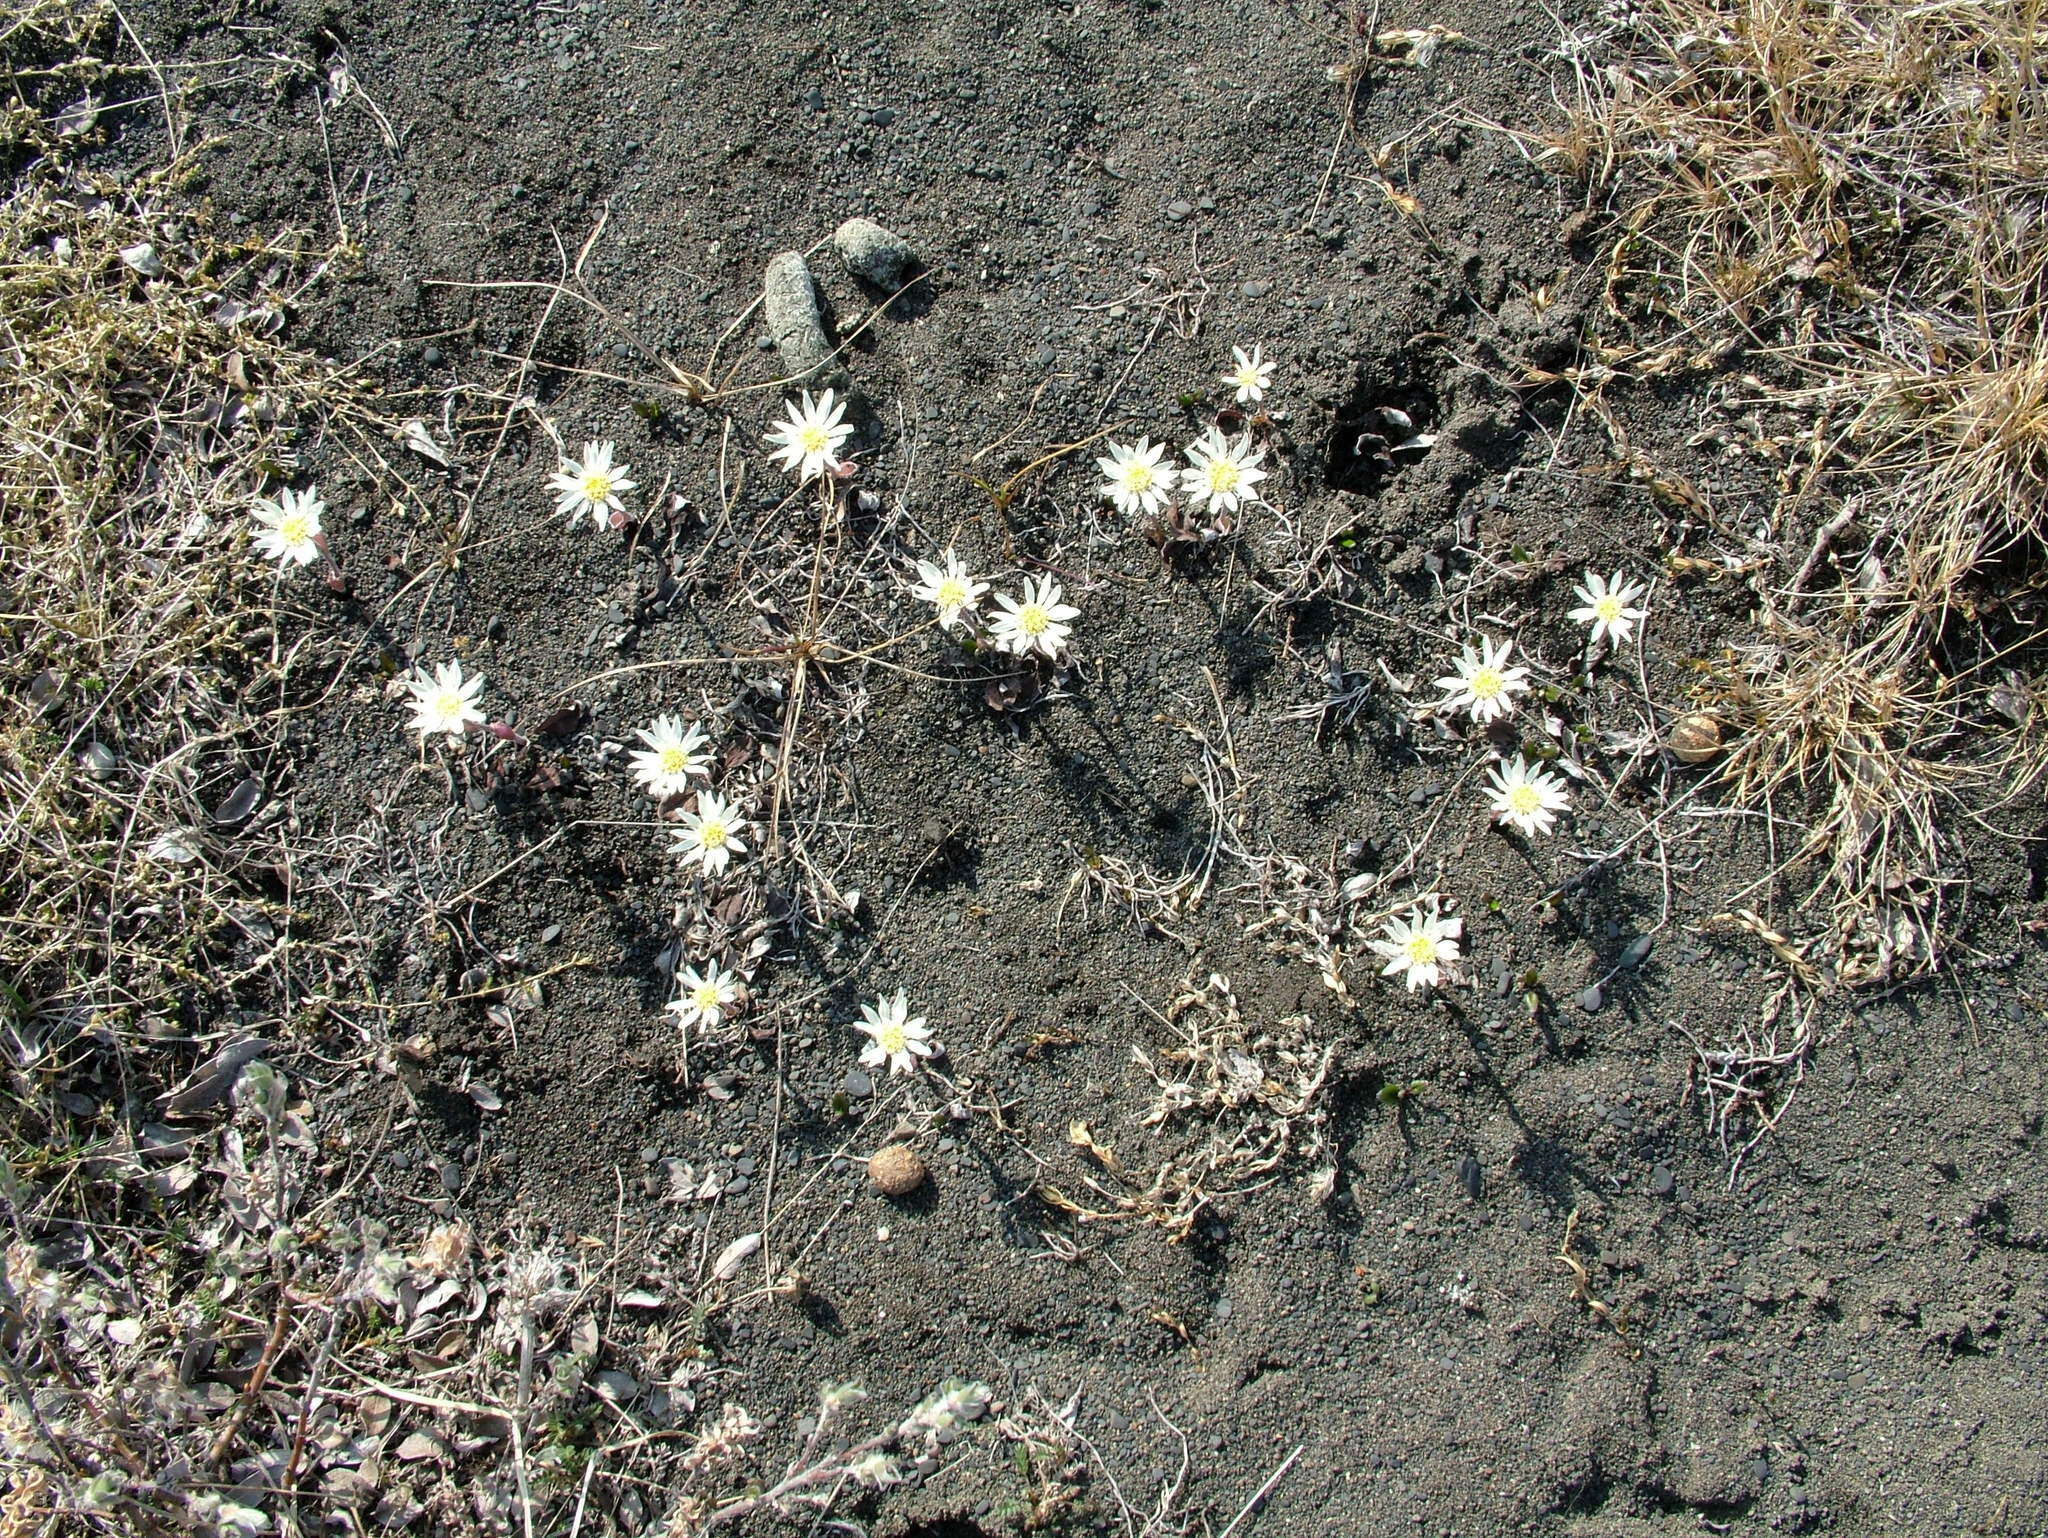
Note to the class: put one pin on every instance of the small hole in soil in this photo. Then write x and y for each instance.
(1367, 442)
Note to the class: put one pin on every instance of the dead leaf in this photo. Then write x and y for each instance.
(1404, 204)
(1079, 1135)
(735, 1255)
(419, 1446)
(414, 435)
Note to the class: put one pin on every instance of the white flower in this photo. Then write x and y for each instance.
(808, 439)
(1526, 798)
(705, 996)
(712, 836)
(665, 766)
(1035, 623)
(1484, 684)
(445, 701)
(1419, 947)
(1134, 478)
(1222, 473)
(949, 589)
(1251, 376)
(288, 530)
(900, 1039)
(592, 485)
(1607, 608)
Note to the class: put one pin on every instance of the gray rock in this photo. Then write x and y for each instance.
(789, 299)
(873, 254)
(1471, 1177)
(1590, 999)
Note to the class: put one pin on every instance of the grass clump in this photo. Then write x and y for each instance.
(146, 399)
(1844, 197)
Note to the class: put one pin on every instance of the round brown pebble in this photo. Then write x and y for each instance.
(1695, 739)
(895, 1170)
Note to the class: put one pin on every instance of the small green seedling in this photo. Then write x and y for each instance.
(1396, 1094)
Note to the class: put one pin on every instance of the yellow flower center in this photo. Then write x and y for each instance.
(1608, 609)
(893, 1039)
(674, 761)
(448, 705)
(952, 593)
(1223, 475)
(1137, 475)
(1421, 951)
(597, 486)
(1248, 378)
(1487, 684)
(1524, 800)
(1032, 619)
(705, 998)
(813, 439)
(711, 833)
(295, 528)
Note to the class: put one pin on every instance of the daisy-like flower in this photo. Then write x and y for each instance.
(591, 485)
(1134, 478)
(1607, 607)
(671, 758)
(949, 589)
(1484, 684)
(1419, 947)
(288, 530)
(1251, 376)
(1035, 623)
(1527, 799)
(705, 996)
(1222, 474)
(807, 440)
(713, 836)
(445, 701)
(899, 1038)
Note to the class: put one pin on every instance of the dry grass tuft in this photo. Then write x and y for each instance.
(145, 401)
(1848, 197)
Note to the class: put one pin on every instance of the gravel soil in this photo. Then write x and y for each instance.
(1842, 1330)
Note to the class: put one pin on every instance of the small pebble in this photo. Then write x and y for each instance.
(895, 1169)
(1590, 999)
(1662, 1180)
(1258, 288)
(857, 1084)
